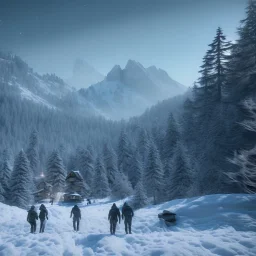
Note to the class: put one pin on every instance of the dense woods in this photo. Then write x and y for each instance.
(200, 143)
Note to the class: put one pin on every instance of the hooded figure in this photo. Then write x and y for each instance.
(127, 215)
(42, 216)
(31, 218)
(113, 217)
(76, 217)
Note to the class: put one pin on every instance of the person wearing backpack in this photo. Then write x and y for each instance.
(113, 217)
(127, 215)
(76, 217)
(31, 218)
(42, 216)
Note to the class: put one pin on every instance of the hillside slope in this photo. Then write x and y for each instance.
(208, 225)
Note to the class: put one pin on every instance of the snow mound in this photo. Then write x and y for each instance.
(208, 225)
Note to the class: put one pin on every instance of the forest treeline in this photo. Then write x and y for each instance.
(201, 143)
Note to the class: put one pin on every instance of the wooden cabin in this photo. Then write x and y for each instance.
(43, 191)
(74, 187)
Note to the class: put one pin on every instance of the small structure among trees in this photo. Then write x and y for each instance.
(44, 190)
(76, 188)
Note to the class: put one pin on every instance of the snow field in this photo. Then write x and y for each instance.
(209, 225)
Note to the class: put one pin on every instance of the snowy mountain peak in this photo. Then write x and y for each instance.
(134, 65)
(115, 74)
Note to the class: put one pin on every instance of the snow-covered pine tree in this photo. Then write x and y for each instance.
(219, 56)
(21, 182)
(171, 138)
(135, 172)
(110, 163)
(153, 173)
(180, 180)
(246, 159)
(242, 65)
(143, 145)
(124, 153)
(85, 165)
(32, 153)
(2, 198)
(55, 172)
(100, 184)
(5, 172)
(121, 187)
(139, 199)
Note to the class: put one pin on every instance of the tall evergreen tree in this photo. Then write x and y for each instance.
(245, 176)
(171, 138)
(110, 162)
(180, 178)
(140, 199)
(100, 185)
(154, 173)
(2, 198)
(5, 172)
(219, 56)
(143, 145)
(124, 153)
(32, 152)
(135, 172)
(21, 182)
(56, 173)
(121, 187)
(86, 165)
(242, 66)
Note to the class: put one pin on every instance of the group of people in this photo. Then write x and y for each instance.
(33, 216)
(114, 216)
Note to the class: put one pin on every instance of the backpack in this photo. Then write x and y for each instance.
(127, 211)
(113, 213)
(76, 212)
(43, 214)
(32, 216)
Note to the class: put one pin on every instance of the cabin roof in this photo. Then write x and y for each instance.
(76, 174)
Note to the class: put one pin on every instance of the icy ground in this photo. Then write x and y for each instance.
(209, 225)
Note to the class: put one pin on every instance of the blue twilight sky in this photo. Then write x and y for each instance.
(170, 34)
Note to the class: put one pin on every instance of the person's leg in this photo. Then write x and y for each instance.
(41, 226)
(77, 226)
(130, 225)
(31, 227)
(35, 227)
(74, 224)
(126, 224)
(114, 227)
(111, 227)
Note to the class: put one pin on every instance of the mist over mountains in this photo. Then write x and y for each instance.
(122, 94)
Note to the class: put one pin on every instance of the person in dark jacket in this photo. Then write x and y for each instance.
(127, 215)
(31, 218)
(113, 217)
(42, 216)
(76, 217)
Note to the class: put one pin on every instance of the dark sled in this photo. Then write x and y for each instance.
(168, 217)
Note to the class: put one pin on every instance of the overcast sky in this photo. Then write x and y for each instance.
(170, 34)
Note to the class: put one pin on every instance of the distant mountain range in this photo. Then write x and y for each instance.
(128, 92)
(84, 75)
(123, 93)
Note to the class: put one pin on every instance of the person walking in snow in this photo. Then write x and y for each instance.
(127, 215)
(113, 217)
(42, 216)
(31, 218)
(76, 217)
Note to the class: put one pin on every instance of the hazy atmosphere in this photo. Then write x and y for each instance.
(127, 127)
(170, 34)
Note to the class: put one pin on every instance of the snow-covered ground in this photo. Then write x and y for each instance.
(208, 225)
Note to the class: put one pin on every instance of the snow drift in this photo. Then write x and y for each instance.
(207, 225)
